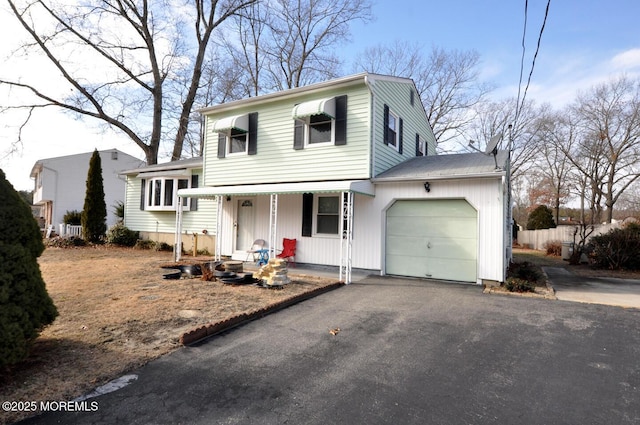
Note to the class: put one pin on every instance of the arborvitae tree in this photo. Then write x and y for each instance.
(541, 218)
(94, 213)
(25, 305)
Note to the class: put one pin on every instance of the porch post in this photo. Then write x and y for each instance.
(346, 236)
(273, 219)
(177, 246)
(218, 253)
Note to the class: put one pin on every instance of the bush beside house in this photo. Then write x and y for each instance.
(617, 249)
(25, 305)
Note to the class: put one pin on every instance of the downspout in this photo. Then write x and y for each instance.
(369, 85)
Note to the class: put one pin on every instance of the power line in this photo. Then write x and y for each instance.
(520, 103)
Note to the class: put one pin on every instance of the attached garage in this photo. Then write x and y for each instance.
(436, 239)
(446, 217)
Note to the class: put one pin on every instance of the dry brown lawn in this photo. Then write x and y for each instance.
(116, 312)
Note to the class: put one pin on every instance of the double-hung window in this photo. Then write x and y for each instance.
(320, 122)
(237, 135)
(320, 215)
(327, 214)
(237, 141)
(392, 129)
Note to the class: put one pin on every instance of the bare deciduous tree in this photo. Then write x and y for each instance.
(134, 65)
(281, 44)
(447, 82)
(609, 117)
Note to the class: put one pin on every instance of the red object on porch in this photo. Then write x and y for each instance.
(288, 250)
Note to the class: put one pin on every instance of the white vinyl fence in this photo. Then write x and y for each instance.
(536, 239)
(70, 230)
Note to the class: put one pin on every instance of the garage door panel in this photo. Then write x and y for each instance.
(465, 270)
(402, 245)
(456, 208)
(405, 265)
(433, 227)
(432, 238)
(452, 248)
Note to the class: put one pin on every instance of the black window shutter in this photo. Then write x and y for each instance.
(385, 121)
(222, 145)
(400, 136)
(253, 133)
(194, 201)
(298, 135)
(418, 145)
(307, 214)
(341, 120)
(143, 184)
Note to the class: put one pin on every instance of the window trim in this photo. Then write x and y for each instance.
(228, 136)
(307, 131)
(421, 146)
(316, 203)
(150, 185)
(393, 143)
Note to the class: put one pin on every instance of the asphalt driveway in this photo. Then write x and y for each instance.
(401, 352)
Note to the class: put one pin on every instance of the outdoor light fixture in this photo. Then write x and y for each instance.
(427, 187)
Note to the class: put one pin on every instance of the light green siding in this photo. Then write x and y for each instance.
(397, 95)
(165, 221)
(277, 161)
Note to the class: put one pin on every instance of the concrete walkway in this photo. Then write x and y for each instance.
(594, 290)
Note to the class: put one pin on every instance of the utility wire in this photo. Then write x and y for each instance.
(520, 103)
(524, 34)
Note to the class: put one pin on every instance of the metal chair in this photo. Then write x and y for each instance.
(257, 246)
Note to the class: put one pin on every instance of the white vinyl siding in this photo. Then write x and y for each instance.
(485, 195)
(277, 161)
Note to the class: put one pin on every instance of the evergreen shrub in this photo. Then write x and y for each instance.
(25, 305)
(119, 234)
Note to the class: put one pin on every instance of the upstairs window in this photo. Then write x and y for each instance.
(320, 122)
(237, 141)
(237, 135)
(392, 129)
(421, 146)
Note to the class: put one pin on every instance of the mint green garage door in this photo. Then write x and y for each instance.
(435, 239)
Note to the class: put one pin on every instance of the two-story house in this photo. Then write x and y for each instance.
(348, 168)
(60, 183)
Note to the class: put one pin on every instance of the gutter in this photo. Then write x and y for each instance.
(500, 174)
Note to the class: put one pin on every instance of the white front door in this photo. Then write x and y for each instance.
(245, 222)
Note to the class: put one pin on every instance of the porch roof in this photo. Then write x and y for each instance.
(364, 187)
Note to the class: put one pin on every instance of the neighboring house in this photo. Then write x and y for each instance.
(348, 168)
(61, 183)
(152, 201)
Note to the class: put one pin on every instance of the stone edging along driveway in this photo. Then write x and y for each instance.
(200, 333)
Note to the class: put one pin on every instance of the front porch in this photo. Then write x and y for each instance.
(319, 215)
